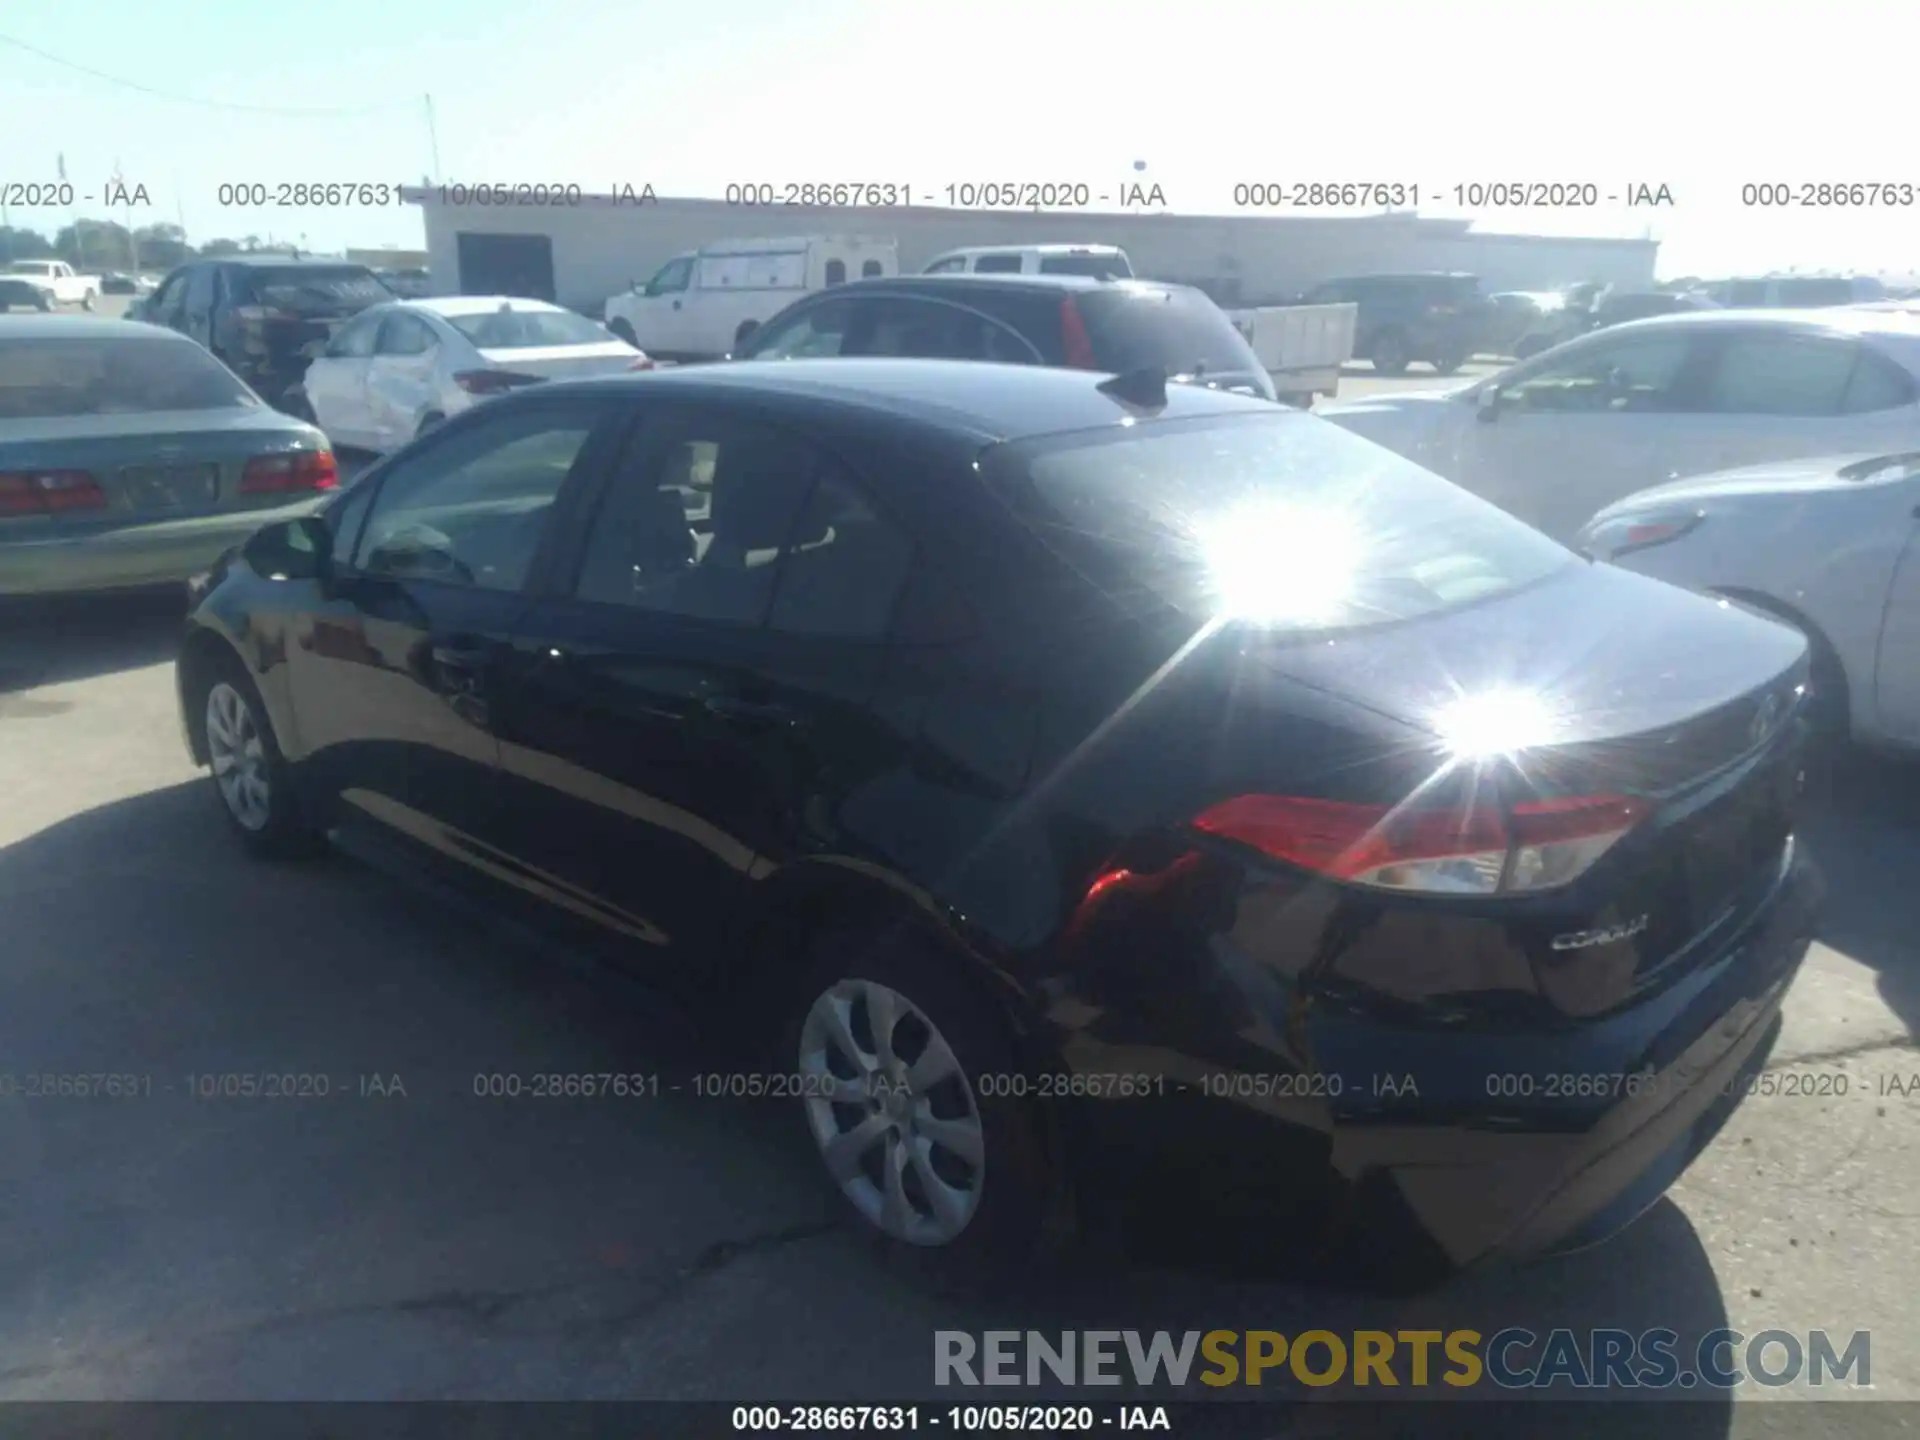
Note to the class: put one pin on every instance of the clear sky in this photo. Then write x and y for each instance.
(690, 97)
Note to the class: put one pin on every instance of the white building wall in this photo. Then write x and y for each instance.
(601, 247)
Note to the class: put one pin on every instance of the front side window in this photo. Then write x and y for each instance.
(672, 277)
(471, 508)
(1640, 374)
(1277, 519)
(952, 265)
(997, 264)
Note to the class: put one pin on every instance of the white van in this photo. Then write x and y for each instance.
(698, 306)
(1098, 262)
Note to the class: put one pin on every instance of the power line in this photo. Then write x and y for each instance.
(136, 86)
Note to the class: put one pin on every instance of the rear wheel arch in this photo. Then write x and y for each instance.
(815, 898)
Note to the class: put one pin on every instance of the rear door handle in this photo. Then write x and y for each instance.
(749, 712)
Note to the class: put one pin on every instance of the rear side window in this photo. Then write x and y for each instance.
(1780, 375)
(1181, 331)
(996, 265)
(952, 265)
(934, 330)
(1877, 384)
(1275, 518)
(818, 330)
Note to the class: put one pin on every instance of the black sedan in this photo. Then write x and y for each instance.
(1076, 785)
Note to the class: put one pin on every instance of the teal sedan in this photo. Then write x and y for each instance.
(130, 457)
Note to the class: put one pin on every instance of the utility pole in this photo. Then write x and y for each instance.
(433, 139)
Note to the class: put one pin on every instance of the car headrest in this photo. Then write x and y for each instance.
(758, 488)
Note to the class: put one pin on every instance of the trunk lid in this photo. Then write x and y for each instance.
(151, 466)
(560, 362)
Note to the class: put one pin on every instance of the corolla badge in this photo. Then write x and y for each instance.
(1612, 934)
(1766, 717)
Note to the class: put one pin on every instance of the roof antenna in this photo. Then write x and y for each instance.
(1145, 386)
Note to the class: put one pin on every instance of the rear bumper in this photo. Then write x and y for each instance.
(131, 557)
(1440, 1145)
(1508, 1178)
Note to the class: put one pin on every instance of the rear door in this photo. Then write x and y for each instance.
(680, 714)
(401, 378)
(1897, 687)
(336, 383)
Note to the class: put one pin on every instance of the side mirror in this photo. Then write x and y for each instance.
(300, 549)
(1490, 399)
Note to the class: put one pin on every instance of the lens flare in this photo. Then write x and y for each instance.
(1277, 562)
(1496, 722)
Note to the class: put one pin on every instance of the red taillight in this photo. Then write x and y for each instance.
(492, 382)
(289, 471)
(1073, 337)
(1476, 850)
(49, 492)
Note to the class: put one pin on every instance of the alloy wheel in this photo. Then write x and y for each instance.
(892, 1111)
(239, 757)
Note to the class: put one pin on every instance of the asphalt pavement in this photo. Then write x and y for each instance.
(404, 1238)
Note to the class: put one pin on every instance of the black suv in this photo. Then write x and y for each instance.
(1440, 319)
(264, 317)
(1060, 320)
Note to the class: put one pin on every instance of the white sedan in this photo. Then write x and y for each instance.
(1831, 545)
(401, 368)
(1554, 439)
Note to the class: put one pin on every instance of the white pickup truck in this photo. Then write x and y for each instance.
(57, 280)
(1301, 346)
(701, 305)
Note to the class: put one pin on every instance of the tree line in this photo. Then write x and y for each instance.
(96, 245)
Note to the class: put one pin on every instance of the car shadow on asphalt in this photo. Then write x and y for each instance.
(1865, 835)
(62, 639)
(141, 935)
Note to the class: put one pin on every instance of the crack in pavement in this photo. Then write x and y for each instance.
(479, 1307)
(1844, 1052)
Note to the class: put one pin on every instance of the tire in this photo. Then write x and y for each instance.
(263, 809)
(624, 331)
(1447, 364)
(1009, 1199)
(86, 301)
(1390, 353)
(42, 300)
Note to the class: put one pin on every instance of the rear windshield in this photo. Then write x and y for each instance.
(46, 378)
(318, 288)
(1280, 519)
(1179, 331)
(528, 329)
(1094, 267)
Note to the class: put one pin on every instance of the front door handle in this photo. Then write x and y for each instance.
(749, 712)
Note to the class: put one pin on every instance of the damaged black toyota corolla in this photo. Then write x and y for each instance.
(1069, 782)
